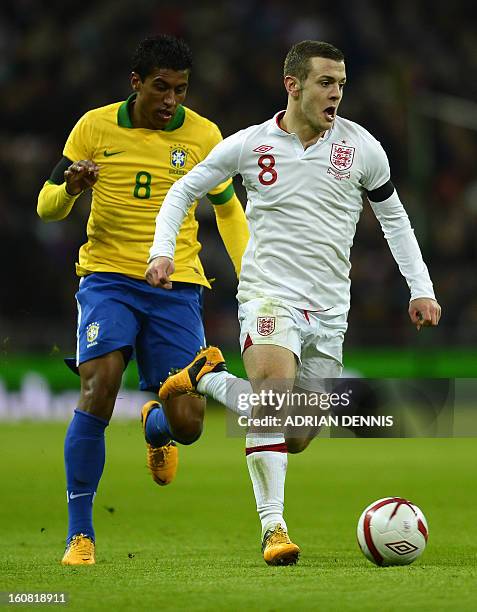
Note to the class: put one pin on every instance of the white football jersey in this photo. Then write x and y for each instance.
(302, 208)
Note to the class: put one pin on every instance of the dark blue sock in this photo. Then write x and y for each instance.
(84, 463)
(157, 427)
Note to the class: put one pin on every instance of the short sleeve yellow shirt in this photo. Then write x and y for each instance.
(137, 168)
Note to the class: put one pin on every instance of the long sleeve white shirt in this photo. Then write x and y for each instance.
(302, 209)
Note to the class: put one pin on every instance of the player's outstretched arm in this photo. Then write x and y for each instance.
(159, 271)
(424, 312)
(67, 181)
(219, 165)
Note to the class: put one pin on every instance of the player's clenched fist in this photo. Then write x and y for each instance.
(159, 271)
(81, 175)
(424, 312)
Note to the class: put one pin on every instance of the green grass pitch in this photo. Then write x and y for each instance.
(195, 544)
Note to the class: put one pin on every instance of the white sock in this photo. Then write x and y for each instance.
(228, 390)
(267, 471)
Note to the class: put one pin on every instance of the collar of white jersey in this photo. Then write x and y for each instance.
(276, 129)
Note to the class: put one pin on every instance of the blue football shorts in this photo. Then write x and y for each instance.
(162, 328)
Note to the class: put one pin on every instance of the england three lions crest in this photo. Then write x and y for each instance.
(341, 157)
(265, 325)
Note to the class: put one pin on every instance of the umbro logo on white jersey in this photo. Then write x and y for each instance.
(262, 149)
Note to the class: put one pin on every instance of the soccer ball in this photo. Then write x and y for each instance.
(392, 531)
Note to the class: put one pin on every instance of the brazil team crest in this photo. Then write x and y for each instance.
(178, 157)
(92, 332)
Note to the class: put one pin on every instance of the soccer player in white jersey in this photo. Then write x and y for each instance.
(305, 171)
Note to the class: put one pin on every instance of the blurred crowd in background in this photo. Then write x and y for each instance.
(410, 66)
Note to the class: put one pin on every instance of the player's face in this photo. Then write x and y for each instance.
(158, 96)
(321, 92)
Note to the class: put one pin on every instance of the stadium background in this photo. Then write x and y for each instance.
(409, 71)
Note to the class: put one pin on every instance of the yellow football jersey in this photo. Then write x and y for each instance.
(137, 168)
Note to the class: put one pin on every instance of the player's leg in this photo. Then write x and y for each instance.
(317, 375)
(186, 417)
(266, 452)
(103, 326)
(300, 433)
(298, 437)
(271, 346)
(178, 419)
(170, 336)
(207, 375)
(270, 369)
(85, 450)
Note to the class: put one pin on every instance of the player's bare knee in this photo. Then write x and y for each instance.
(98, 394)
(297, 445)
(186, 416)
(99, 390)
(187, 433)
(100, 382)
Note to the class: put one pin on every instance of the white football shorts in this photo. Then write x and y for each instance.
(315, 338)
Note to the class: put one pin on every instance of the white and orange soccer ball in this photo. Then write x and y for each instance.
(392, 531)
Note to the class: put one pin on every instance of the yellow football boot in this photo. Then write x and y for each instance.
(207, 360)
(80, 551)
(277, 547)
(161, 460)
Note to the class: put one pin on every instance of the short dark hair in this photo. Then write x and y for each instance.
(161, 51)
(297, 60)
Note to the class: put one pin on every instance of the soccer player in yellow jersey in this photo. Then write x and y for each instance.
(130, 153)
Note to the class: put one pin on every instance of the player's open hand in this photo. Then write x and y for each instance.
(424, 312)
(81, 175)
(159, 271)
